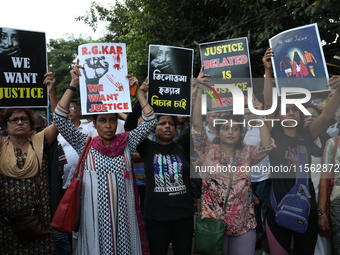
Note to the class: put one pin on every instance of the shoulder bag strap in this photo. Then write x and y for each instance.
(302, 173)
(228, 192)
(81, 161)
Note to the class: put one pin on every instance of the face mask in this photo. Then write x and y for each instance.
(333, 130)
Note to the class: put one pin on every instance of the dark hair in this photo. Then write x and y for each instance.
(172, 117)
(76, 102)
(297, 57)
(8, 112)
(237, 118)
(309, 105)
(95, 116)
(301, 123)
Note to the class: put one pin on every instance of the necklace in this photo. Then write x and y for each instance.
(23, 146)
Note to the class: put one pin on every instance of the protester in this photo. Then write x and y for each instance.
(331, 158)
(181, 126)
(110, 218)
(24, 178)
(287, 139)
(327, 160)
(209, 126)
(228, 150)
(63, 241)
(168, 209)
(90, 129)
(334, 126)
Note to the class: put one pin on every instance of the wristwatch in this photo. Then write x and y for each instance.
(320, 213)
(74, 89)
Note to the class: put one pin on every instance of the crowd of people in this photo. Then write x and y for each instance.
(138, 195)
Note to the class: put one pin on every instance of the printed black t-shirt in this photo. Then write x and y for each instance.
(167, 192)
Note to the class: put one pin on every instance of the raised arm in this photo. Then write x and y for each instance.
(138, 134)
(74, 84)
(197, 123)
(268, 84)
(141, 96)
(266, 140)
(131, 121)
(50, 82)
(51, 132)
(61, 119)
(329, 110)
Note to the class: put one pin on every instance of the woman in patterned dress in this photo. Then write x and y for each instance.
(110, 220)
(228, 150)
(331, 165)
(22, 157)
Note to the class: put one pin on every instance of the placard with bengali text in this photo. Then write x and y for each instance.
(170, 72)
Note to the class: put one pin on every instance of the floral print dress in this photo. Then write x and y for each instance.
(240, 216)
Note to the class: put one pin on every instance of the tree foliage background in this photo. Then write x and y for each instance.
(186, 23)
(61, 56)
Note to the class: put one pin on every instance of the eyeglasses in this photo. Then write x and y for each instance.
(315, 115)
(72, 108)
(15, 120)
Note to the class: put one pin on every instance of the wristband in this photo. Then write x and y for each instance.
(147, 113)
(145, 105)
(74, 89)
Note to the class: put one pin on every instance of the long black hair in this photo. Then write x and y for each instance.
(301, 123)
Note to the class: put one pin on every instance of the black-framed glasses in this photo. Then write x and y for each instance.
(15, 120)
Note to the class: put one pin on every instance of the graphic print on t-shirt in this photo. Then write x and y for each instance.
(292, 155)
(168, 171)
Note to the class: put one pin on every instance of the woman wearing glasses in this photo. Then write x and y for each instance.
(24, 178)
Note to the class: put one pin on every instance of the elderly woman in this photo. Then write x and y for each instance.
(24, 178)
(110, 222)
